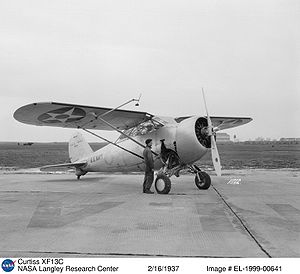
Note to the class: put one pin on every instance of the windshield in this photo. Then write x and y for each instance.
(142, 129)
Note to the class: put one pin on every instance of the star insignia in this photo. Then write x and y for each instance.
(62, 115)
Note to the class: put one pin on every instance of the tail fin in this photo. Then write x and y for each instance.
(78, 147)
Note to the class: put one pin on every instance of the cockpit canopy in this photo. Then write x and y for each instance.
(144, 128)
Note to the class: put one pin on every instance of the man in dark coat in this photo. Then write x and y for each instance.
(149, 166)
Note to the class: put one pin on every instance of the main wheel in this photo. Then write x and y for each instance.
(162, 184)
(204, 182)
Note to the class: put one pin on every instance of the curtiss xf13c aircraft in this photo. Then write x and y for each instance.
(177, 142)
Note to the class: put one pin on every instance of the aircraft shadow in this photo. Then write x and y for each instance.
(84, 180)
(185, 194)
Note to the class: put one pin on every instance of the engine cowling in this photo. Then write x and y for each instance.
(191, 139)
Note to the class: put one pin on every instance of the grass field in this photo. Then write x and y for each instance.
(233, 155)
(269, 156)
(37, 155)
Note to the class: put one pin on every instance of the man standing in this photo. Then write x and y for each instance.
(149, 165)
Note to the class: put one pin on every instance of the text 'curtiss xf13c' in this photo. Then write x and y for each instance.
(177, 142)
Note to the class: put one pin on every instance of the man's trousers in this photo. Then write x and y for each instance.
(148, 180)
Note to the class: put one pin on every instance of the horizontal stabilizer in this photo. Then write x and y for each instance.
(66, 165)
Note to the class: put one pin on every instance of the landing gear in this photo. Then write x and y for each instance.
(202, 180)
(79, 172)
(162, 184)
(172, 166)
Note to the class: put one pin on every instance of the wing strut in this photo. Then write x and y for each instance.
(106, 140)
(95, 117)
(126, 135)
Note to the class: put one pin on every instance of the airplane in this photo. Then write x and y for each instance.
(177, 143)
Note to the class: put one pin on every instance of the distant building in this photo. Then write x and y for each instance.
(289, 139)
(266, 141)
(223, 138)
(26, 144)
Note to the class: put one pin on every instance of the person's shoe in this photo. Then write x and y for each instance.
(148, 191)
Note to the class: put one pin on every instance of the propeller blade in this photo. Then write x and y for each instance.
(208, 118)
(215, 156)
(214, 150)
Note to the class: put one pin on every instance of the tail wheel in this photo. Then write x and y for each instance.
(204, 182)
(162, 184)
(79, 172)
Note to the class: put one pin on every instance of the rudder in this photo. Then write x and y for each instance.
(78, 147)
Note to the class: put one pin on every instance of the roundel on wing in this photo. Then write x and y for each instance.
(62, 115)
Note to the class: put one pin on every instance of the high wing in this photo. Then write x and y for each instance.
(220, 123)
(76, 116)
(66, 165)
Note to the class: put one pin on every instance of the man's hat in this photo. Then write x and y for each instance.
(148, 141)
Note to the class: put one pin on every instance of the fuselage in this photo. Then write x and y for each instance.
(178, 136)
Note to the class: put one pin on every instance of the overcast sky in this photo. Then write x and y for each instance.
(102, 53)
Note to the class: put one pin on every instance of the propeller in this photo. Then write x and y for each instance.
(214, 150)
